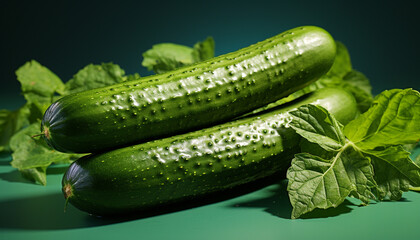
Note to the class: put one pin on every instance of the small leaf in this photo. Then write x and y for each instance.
(95, 76)
(131, 77)
(205, 49)
(316, 125)
(393, 119)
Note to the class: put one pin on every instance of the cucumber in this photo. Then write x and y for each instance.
(189, 98)
(181, 167)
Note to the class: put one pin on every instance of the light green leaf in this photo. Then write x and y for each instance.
(317, 183)
(31, 155)
(131, 77)
(315, 124)
(38, 174)
(205, 49)
(342, 62)
(95, 76)
(393, 119)
(38, 84)
(394, 171)
(165, 57)
(10, 123)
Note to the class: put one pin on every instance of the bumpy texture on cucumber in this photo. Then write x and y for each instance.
(189, 98)
(193, 164)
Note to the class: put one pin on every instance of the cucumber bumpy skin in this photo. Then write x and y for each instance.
(181, 167)
(190, 98)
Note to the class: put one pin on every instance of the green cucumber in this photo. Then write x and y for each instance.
(180, 167)
(189, 98)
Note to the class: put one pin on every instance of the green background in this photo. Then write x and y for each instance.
(382, 37)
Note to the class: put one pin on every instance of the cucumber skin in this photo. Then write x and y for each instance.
(189, 98)
(181, 167)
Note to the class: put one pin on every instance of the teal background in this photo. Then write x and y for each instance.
(382, 37)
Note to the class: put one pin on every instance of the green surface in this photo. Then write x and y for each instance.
(31, 211)
(262, 211)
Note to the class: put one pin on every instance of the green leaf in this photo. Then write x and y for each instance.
(205, 49)
(359, 80)
(38, 84)
(316, 125)
(165, 57)
(359, 86)
(342, 62)
(131, 77)
(10, 123)
(317, 183)
(393, 119)
(32, 156)
(394, 171)
(330, 168)
(95, 76)
(38, 174)
(361, 173)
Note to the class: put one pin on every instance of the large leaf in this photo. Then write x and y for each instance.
(393, 119)
(316, 183)
(95, 76)
(39, 84)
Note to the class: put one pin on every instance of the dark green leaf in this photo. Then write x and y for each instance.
(361, 173)
(394, 171)
(357, 84)
(95, 76)
(317, 183)
(315, 124)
